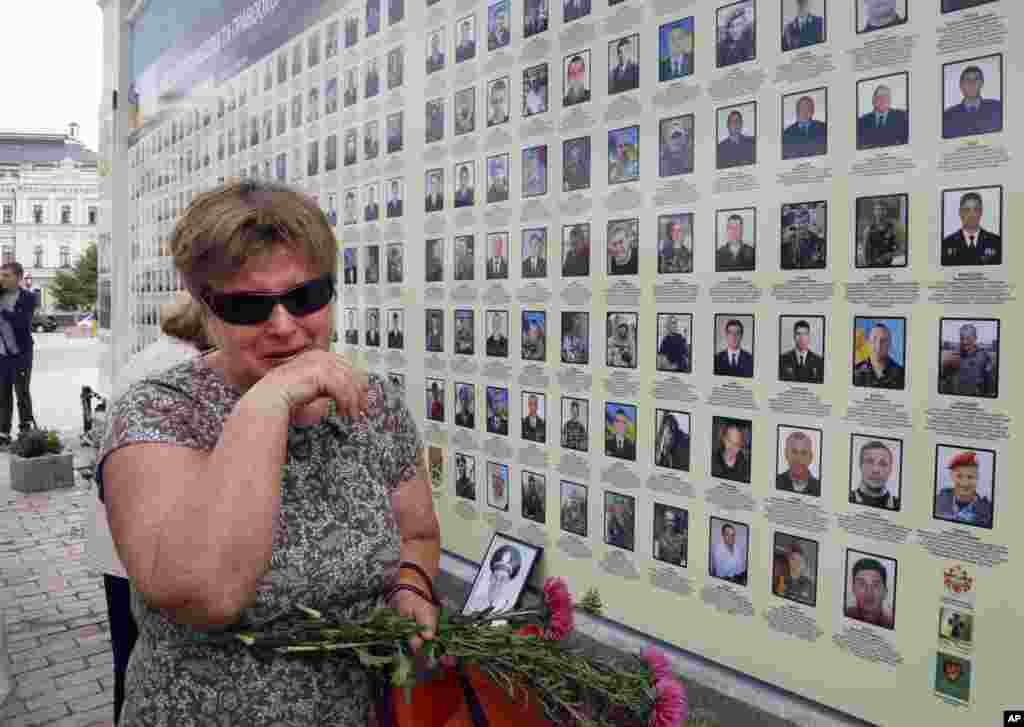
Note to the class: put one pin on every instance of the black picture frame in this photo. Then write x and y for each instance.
(936, 490)
(527, 554)
(947, 391)
(882, 559)
(626, 538)
(778, 550)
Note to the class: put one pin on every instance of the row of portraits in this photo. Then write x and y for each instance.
(964, 478)
(967, 350)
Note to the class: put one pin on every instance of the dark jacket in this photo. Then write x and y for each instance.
(812, 372)
(797, 143)
(793, 36)
(987, 250)
(895, 131)
(744, 364)
(737, 153)
(21, 321)
(784, 482)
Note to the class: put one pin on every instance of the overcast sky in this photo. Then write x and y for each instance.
(51, 55)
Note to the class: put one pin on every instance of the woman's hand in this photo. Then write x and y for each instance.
(409, 604)
(316, 375)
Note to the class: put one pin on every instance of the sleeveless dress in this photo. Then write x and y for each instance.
(336, 549)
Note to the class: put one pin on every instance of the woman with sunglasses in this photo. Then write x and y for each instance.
(264, 475)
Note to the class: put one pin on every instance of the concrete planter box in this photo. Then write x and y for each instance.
(41, 474)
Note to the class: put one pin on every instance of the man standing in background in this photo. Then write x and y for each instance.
(17, 305)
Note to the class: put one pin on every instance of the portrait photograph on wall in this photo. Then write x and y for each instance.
(351, 327)
(675, 145)
(497, 178)
(576, 78)
(465, 257)
(465, 476)
(576, 164)
(736, 37)
(497, 256)
(395, 262)
(876, 471)
(436, 50)
(803, 236)
(535, 171)
(675, 243)
(953, 677)
(620, 430)
(734, 345)
(533, 335)
(434, 268)
(804, 23)
(671, 535)
(434, 320)
(573, 508)
(465, 111)
(535, 17)
(883, 111)
(675, 49)
(394, 198)
(395, 132)
(497, 486)
(965, 485)
(498, 25)
(372, 334)
(535, 90)
(465, 43)
(675, 342)
(728, 554)
(498, 101)
(534, 496)
(623, 64)
(575, 9)
(575, 337)
(464, 332)
(465, 185)
(434, 120)
(736, 240)
(672, 439)
(435, 399)
(731, 448)
(497, 410)
(434, 199)
(870, 594)
(956, 628)
(879, 352)
(972, 93)
(534, 252)
(575, 424)
(802, 347)
(623, 247)
(533, 405)
(882, 238)
(502, 576)
(620, 520)
(497, 333)
(624, 155)
(798, 464)
(396, 329)
(621, 333)
(576, 250)
(969, 357)
(736, 131)
(805, 124)
(465, 405)
(875, 15)
(795, 569)
(972, 226)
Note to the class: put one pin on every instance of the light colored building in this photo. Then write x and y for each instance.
(49, 203)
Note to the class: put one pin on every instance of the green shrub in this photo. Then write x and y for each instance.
(37, 443)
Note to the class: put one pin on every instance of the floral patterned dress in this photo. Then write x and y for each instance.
(336, 549)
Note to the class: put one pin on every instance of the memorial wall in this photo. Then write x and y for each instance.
(712, 301)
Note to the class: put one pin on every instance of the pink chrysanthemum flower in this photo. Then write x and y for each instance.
(560, 609)
(671, 705)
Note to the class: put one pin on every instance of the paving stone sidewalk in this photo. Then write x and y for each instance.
(57, 630)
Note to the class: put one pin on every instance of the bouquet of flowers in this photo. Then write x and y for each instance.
(525, 651)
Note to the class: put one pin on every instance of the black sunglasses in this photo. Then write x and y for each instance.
(248, 309)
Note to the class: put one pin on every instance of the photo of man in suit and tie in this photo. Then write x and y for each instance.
(803, 23)
(620, 431)
(574, 10)
(533, 427)
(675, 50)
(804, 362)
(623, 71)
(737, 136)
(497, 256)
(735, 240)
(972, 226)
(732, 357)
(967, 111)
(805, 124)
(497, 178)
(535, 254)
(498, 35)
(798, 468)
(883, 113)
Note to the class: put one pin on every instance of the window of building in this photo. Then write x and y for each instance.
(37, 256)
(37, 213)
(94, 215)
(8, 214)
(65, 214)
(8, 254)
(65, 256)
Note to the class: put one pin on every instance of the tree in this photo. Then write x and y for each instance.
(76, 289)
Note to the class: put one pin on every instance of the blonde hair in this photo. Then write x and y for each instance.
(223, 228)
(184, 318)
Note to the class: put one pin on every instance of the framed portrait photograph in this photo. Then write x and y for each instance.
(576, 76)
(802, 347)
(624, 155)
(535, 17)
(576, 337)
(465, 257)
(972, 226)
(503, 574)
(575, 424)
(395, 262)
(620, 520)
(498, 25)
(535, 171)
(498, 101)
(535, 90)
(465, 111)
(534, 252)
(675, 146)
(351, 327)
(969, 357)
(396, 329)
(434, 200)
(534, 335)
(620, 430)
(952, 6)
(870, 593)
(956, 628)
(622, 331)
(972, 93)
(805, 124)
(434, 260)
(965, 485)
(330, 96)
(731, 445)
(371, 140)
(330, 40)
(497, 486)
(795, 569)
(883, 111)
(393, 198)
(397, 380)
(675, 243)
(497, 256)
(371, 264)
(496, 344)
(573, 508)
(434, 120)
(883, 231)
(675, 49)
(465, 41)
(575, 9)
(953, 678)
(434, 322)
(675, 342)
(435, 399)
(351, 147)
(351, 93)
(736, 130)
(576, 164)
(395, 132)
(435, 50)
(576, 250)
(465, 405)
(623, 246)
(804, 23)
(373, 17)
(350, 265)
(465, 185)
(875, 15)
(497, 410)
(671, 530)
(672, 439)
(280, 119)
(534, 495)
(798, 460)
(371, 78)
(876, 471)
(736, 37)
(803, 235)
(465, 338)
(879, 352)
(396, 67)
(372, 336)
(734, 345)
(729, 549)
(371, 205)
(623, 64)
(497, 178)
(534, 408)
